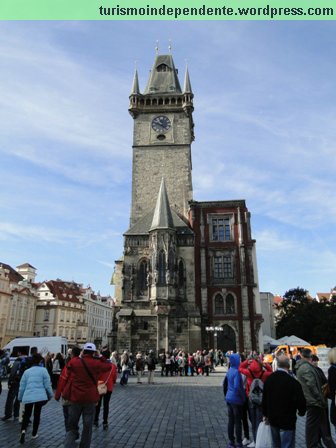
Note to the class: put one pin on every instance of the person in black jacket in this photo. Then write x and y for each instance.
(282, 399)
(332, 384)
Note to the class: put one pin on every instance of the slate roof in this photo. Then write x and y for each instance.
(135, 86)
(187, 84)
(162, 217)
(143, 226)
(163, 81)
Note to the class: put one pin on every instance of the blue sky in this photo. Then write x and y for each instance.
(264, 125)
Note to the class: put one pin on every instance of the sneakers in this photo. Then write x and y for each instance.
(22, 438)
(105, 426)
(251, 445)
(246, 441)
(34, 436)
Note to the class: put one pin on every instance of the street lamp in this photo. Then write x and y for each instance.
(214, 330)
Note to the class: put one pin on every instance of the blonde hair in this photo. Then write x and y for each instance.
(332, 355)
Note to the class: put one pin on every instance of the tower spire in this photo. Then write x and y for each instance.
(162, 218)
(135, 86)
(187, 84)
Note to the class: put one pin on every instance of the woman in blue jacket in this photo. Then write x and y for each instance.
(235, 398)
(35, 390)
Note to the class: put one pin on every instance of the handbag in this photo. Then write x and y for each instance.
(264, 436)
(101, 385)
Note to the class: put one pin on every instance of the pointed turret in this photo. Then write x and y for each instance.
(135, 86)
(187, 84)
(163, 76)
(162, 218)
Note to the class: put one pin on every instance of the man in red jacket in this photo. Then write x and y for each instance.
(81, 390)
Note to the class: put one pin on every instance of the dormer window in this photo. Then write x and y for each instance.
(162, 68)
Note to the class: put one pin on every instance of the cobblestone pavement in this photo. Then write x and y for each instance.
(175, 412)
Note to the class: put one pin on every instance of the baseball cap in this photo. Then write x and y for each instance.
(90, 346)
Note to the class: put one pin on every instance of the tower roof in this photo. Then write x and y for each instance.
(187, 84)
(135, 86)
(162, 218)
(163, 76)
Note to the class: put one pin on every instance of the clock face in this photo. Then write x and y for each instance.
(161, 124)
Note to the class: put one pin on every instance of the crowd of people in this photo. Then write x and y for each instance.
(84, 383)
(255, 391)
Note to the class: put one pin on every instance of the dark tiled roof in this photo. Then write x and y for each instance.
(143, 225)
(25, 265)
(14, 276)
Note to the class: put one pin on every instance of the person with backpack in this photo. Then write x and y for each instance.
(256, 373)
(12, 401)
(235, 398)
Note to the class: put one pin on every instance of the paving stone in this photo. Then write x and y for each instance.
(176, 412)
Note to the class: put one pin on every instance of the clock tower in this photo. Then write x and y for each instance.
(162, 137)
(188, 274)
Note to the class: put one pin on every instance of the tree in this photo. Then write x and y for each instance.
(306, 318)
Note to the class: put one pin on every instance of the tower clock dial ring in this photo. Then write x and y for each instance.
(161, 124)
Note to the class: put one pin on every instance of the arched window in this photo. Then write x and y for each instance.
(181, 274)
(162, 267)
(230, 304)
(142, 275)
(171, 261)
(219, 304)
(162, 68)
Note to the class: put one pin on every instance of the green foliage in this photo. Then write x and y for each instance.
(306, 318)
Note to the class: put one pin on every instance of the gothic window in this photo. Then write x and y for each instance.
(181, 274)
(221, 229)
(219, 304)
(162, 267)
(143, 267)
(145, 325)
(230, 304)
(171, 261)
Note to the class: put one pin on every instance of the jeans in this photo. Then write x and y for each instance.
(283, 438)
(245, 420)
(12, 401)
(124, 377)
(106, 403)
(235, 422)
(87, 410)
(28, 409)
(255, 417)
(317, 426)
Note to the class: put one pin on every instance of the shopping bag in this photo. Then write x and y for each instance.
(264, 436)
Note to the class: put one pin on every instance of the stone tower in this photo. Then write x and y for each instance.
(188, 277)
(155, 280)
(163, 132)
